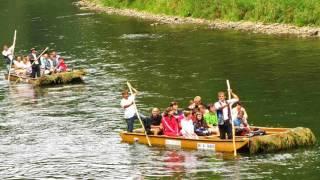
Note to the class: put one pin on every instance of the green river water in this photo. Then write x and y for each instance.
(72, 131)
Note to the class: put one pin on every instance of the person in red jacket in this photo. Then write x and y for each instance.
(62, 67)
(169, 123)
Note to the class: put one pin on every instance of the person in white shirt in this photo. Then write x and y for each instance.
(55, 57)
(187, 127)
(130, 115)
(26, 65)
(8, 55)
(18, 64)
(239, 115)
(224, 114)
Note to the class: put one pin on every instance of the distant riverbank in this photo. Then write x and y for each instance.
(248, 26)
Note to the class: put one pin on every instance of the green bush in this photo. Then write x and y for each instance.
(298, 12)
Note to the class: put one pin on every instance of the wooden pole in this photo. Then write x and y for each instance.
(138, 115)
(14, 46)
(40, 54)
(233, 130)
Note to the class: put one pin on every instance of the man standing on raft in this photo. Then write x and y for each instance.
(127, 103)
(8, 55)
(35, 63)
(224, 114)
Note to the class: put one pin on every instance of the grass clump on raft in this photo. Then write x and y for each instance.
(285, 140)
(61, 78)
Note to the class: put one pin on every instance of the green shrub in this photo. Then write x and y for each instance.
(298, 12)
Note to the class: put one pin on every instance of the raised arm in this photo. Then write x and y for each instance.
(135, 92)
(235, 96)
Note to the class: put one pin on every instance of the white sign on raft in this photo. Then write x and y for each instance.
(205, 146)
(170, 142)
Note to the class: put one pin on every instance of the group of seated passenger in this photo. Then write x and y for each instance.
(35, 65)
(196, 120)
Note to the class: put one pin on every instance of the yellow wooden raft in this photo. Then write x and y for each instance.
(275, 139)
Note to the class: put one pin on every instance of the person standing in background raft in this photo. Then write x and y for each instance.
(127, 103)
(35, 63)
(224, 114)
(8, 55)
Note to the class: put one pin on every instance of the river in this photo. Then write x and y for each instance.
(72, 131)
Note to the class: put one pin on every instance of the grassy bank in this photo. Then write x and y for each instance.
(297, 12)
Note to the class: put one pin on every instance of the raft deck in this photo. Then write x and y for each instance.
(275, 139)
(75, 76)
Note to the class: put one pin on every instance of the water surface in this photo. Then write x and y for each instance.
(72, 131)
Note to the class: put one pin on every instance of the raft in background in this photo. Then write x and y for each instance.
(276, 139)
(75, 76)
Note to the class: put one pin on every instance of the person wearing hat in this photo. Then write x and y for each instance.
(35, 63)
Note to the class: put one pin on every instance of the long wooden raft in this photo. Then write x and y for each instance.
(75, 76)
(276, 139)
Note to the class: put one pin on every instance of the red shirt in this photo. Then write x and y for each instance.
(170, 126)
(62, 66)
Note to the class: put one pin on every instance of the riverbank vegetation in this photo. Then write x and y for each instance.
(297, 12)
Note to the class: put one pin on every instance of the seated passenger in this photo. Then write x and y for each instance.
(54, 56)
(43, 60)
(187, 127)
(18, 66)
(178, 114)
(169, 123)
(155, 120)
(62, 67)
(50, 66)
(239, 118)
(202, 108)
(18, 62)
(200, 126)
(196, 102)
(211, 119)
(26, 66)
(239, 115)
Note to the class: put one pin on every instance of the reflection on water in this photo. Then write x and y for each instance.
(72, 131)
(24, 93)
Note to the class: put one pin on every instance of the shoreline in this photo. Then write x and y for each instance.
(242, 26)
